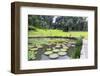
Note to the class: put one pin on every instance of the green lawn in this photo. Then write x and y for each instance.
(44, 32)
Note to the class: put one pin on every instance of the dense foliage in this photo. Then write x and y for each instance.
(74, 52)
(65, 23)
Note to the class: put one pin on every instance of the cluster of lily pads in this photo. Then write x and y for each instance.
(32, 52)
(52, 48)
(56, 51)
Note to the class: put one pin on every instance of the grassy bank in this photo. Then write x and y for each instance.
(50, 32)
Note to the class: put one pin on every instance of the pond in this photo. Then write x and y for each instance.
(53, 48)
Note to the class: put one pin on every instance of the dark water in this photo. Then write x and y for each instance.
(44, 57)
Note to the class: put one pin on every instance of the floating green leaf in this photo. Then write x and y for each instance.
(53, 56)
(48, 52)
(62, 53)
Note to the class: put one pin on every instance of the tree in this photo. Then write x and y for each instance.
(65, 23)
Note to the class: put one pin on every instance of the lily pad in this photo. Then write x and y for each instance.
(66, 41)
(57, 46)
(61, 53)
(30, 46)
(64, 49)
(48, 49)
(34, 49)
(39, 46)
(53, 56)
(48, 52)
(55, 50)
(72, 42)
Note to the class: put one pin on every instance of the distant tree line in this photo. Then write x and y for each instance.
(65, 23)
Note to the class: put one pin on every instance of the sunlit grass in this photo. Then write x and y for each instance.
(55, 32)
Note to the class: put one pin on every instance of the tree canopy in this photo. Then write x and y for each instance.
(65, 23)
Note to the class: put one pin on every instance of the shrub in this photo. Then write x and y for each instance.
(74, 52)
(31, 55)
(31, 28)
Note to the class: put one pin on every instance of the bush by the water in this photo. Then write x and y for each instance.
(74, 52)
